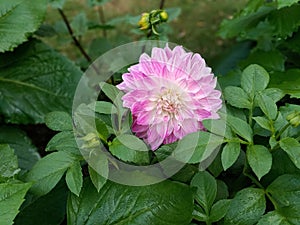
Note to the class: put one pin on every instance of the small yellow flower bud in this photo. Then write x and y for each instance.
(144, 21)
(163, 16)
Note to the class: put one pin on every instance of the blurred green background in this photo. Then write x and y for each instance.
(195, 28)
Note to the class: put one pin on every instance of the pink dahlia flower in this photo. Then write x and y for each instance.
(169, 94)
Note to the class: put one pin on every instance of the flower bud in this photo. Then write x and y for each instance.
(90, 140)
(144, 21)
(163, 16)
(294, 118)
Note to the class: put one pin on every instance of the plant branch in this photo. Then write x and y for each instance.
(250, 115)
(236, 140)
(250, 176)
(102, 19)
(282, 130)
(76, 42)
(272, 200)
(162, 2)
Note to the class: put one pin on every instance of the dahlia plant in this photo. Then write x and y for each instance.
(148, 135)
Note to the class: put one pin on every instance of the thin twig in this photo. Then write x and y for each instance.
(76, 41)
(162, 2)
(102, 19)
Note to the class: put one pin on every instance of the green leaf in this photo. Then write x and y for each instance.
(49, 209)
(199, 214)
(218, 127)
(267, 105)
(240, 127)
(129, 148)
(45, 30)
(274, 218)
(96, 178)
(232, 78)
(11, 197)
(281, 165)
(63, 141)
(292, 147)
(260, 159)
(291, 213)
(184, 175)
(115, 95)
(85, 120)
(29, 92)
(173, 13)
(48, 171)
(285, 21)
(74, 178)
(249, 16)
(272, 142)
(275, 93)
(18, 20)
(196, 147)
(271, 60)
(206, 189)
(59, 121)
(79, 24)
(99, 45)
(165, 151)
(103, 107)
(263, 122)
(164, 203)
(230, 154)
(219, 209)
(234, 112)
(293, 43)
(246, 208)
(228, 63)
(222, 190)
(288, 82)
(215, 167)
(254, 78)
(9, 161)
(237, 97)
(285, 3)
(17, 139)
(285, 190)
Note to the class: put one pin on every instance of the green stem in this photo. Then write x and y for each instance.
(250, 116)
(282, 130)
(102, 138)
(253, 179)
(236, 140)
(102, 19)
(272, 127)
(277, 146)
(272, 200)
(250, 176)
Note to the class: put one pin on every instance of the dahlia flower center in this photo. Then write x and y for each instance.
(169, 101)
